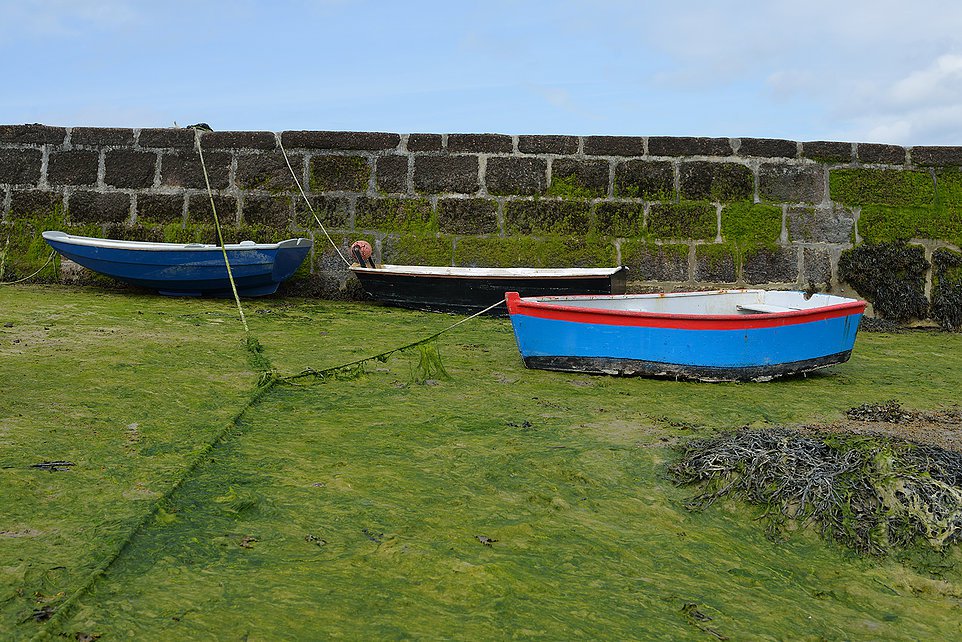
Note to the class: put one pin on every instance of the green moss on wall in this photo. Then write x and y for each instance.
(548, 216)
(716, 182)
(650, 180)
(622, 220)
(189, 233)
(417, 249)
(570, 186)
(751, 225)
(412, 215)
(881, 186)
(685, 220)
(528, 251)
(715, 254)
(259, 234)
(655, 262)
(716, 262)
(339, 173)
(948, 187)
(880, 224)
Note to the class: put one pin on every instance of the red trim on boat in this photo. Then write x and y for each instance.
(575, 314)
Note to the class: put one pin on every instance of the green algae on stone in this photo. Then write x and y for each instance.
(621, 220)
(529, 251)
(467, 216)
(716, 262)
(649, 261)
(754, 230)
(417, 249)
(570, 186)
(391, 490)
(948, 186)
(396, 215)
(864, 186)
(716, 182)
(878, 223)
(23, 249)
(190, 233)
(547, 216)
(685, 220)
(650, 180)
(339, 173)
(113, 384)
(751, 225)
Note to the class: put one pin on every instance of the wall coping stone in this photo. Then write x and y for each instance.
(34, 134)
(330, 140)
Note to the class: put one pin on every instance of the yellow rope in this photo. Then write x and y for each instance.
(220, 235)
(27, 278)
(308, 201)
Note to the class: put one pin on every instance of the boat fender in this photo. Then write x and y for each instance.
(362, 251)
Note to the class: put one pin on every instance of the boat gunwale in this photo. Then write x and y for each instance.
(155, 246)
(546, 307)
(486, 273)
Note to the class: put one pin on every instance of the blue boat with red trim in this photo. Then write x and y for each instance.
(186, 269)
(724, 335)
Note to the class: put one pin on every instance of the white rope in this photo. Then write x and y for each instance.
(308, 201)
(320, 373)
(220, 236)
(476, 314)
(27, 278)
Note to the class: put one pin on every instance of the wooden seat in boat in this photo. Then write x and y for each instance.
(762, 308)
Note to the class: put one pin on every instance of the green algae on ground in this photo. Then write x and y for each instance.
(503, 502)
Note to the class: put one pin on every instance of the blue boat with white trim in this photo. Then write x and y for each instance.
(186, 269)
(724, 335)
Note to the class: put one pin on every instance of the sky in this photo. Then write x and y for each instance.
(850, 70)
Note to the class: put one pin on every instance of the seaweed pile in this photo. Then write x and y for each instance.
(868, 493)
(889, 412)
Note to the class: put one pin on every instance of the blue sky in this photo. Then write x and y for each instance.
(872, 71)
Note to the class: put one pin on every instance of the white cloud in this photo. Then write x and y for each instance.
(939, 125)
(940, 82)
(880, 70)
(918, 105)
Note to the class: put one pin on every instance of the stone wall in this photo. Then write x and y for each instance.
(681, 213)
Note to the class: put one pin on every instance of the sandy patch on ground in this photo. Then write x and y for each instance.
(939, 428)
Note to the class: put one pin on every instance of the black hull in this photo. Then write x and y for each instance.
(467, 295)
(638, 367)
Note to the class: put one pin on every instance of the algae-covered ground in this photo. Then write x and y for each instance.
(499, 503)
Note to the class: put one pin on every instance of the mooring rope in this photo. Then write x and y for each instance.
(321, 374)
(27, 278)
(65, 608)
(220, 235)
(264, 386)
(307, 200)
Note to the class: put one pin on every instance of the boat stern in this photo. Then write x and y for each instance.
(619, 280)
